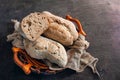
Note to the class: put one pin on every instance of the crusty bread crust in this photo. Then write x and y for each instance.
(34, 25)
(61, 29)
(59, 33)
(44, 48)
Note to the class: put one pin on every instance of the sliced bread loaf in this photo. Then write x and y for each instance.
(34, 25)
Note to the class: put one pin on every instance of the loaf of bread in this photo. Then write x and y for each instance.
(61, 30)
(34, 25)
(59, 33)
(44, 48)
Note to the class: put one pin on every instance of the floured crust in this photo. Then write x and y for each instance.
(34, 25)
(44, 48)
(59, 33)
(67, 27)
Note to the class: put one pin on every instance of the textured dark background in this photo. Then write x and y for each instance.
(100, 20)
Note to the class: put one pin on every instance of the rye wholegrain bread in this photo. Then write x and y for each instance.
(44, 48)
(61, 30)
(34, 25)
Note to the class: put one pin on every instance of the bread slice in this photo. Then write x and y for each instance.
(34, 25)
(66, 27)
(44, 48)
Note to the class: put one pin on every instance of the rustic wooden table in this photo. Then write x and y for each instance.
(100, 20)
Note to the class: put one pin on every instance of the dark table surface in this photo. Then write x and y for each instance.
(100, 20)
